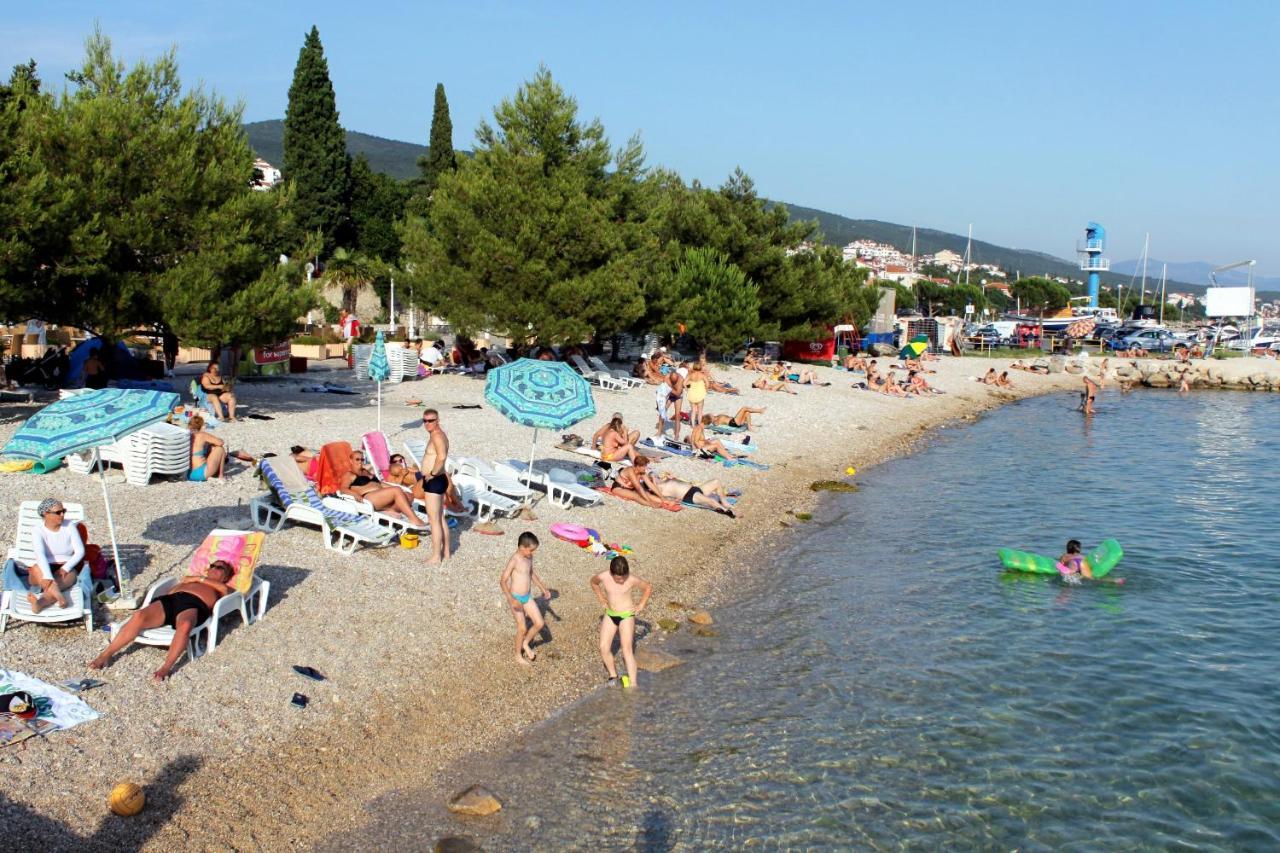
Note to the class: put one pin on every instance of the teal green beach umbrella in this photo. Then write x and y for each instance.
(379, 370)
(540, 394)
(915, 347)
(89, 420)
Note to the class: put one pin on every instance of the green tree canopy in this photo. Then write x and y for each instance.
(315, 147)
(1039, 294)
(714, 299)
(522, 237)
(377, 205)
(440, 155)
(130, 201)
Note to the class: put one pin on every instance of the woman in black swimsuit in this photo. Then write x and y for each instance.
(184, 608)
(362, 484)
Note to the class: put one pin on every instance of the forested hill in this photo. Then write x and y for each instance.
(839, 230)
(400, 160)
(389, 156)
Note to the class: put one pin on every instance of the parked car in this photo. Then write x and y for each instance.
(1151, 340)
(985, 336)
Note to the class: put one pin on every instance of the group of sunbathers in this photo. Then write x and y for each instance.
(1001, 381)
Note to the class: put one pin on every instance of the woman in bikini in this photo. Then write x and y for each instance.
(208, 453)
(741, 419)
(708, 446)
(182, 608)
(217, 392)
(762, 384)
(635, 484)
(714, 384)
(891, 386)
(616, 445)
(710, 494)
(405, 474)
(363, 484)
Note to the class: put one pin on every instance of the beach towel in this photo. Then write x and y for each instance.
(725, 429)
(241, 550)
(285, 478)
(335, 461)
(376, 443)
(55, 709)
(731, 501)
(746, 463)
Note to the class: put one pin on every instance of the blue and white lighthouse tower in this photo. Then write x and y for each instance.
(1091, 260)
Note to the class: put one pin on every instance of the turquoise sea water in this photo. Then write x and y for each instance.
(878, 682)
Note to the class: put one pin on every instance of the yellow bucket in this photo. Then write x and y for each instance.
(408, 540)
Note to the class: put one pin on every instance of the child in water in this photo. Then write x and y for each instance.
(1073, 564)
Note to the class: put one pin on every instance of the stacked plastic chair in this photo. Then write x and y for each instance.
(162, 449)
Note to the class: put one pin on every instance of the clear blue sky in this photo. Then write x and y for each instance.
(1026, 119)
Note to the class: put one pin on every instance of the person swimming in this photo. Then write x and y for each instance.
(1073, 563)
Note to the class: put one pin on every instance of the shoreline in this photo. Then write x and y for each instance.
(293, 781)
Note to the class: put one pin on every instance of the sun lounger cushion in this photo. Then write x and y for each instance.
(241, 550)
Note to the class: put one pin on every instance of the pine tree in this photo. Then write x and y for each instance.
(439, 158)
(315, 149)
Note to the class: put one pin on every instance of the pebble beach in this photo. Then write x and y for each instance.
(418, 663)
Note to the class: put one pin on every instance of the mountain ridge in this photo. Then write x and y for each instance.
(400, 160)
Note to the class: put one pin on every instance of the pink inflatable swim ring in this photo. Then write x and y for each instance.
(575, 533)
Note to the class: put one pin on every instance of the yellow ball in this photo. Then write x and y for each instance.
(851, 470)
(126, 799)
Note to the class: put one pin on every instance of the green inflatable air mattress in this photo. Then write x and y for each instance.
(1101, 560)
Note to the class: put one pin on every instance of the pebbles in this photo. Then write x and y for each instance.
(418, 658)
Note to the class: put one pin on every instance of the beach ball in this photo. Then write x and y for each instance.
(126, 799)
(851, 470)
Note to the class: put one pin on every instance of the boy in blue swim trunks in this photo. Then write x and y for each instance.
(516, 582)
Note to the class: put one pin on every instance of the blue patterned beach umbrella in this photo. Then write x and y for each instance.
(87, 420)
(541, 394)
(379, 370)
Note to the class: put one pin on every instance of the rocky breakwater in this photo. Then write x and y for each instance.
(1239, 374)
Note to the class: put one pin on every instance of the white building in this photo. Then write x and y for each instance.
(270, 175)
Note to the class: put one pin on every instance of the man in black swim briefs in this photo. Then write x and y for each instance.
(184, 607)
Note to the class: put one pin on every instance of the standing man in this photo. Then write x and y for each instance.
(435, 483)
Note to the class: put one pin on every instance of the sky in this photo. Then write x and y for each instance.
(1025, 119)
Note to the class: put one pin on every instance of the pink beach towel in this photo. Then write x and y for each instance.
(375, 444)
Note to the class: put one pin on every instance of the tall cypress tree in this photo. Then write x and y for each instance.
(315, 147)
(440, 157)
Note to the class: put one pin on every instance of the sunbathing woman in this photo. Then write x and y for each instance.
(709, 494)
(360, 482)
(635, 484)
(762, 384)
(741, 419)
(916, 384)
(855, 363)
(1003, 380)
(990, 377)
(751, 362)
(708, 446)
(714, 384)
(891, 386)
(617, 444)
(407, 475)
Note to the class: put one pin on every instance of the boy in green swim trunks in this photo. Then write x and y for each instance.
(614, 588)
(516, 584)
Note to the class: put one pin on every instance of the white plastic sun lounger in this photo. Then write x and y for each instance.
(499, 478)
(561, 486)
(604, 380)
(485, 504)
(342, 529)
(13, 598)
(622, 376)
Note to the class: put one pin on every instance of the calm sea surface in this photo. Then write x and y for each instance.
(880, 683)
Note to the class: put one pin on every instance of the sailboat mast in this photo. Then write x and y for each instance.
(1146, 245)
(968, 254)
(1164, 276)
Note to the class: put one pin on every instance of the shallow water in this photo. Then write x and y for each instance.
(880, 683)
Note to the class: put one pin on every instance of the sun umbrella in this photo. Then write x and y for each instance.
(88, 420)
(915, 347)
(379, 370)
(540, 394)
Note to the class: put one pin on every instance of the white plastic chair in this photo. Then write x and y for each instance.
(484, 503)
(622, 376)
(13, 599)
(604, 380)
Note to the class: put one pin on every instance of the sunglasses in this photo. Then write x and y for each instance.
(56, 512)
(428, 420)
